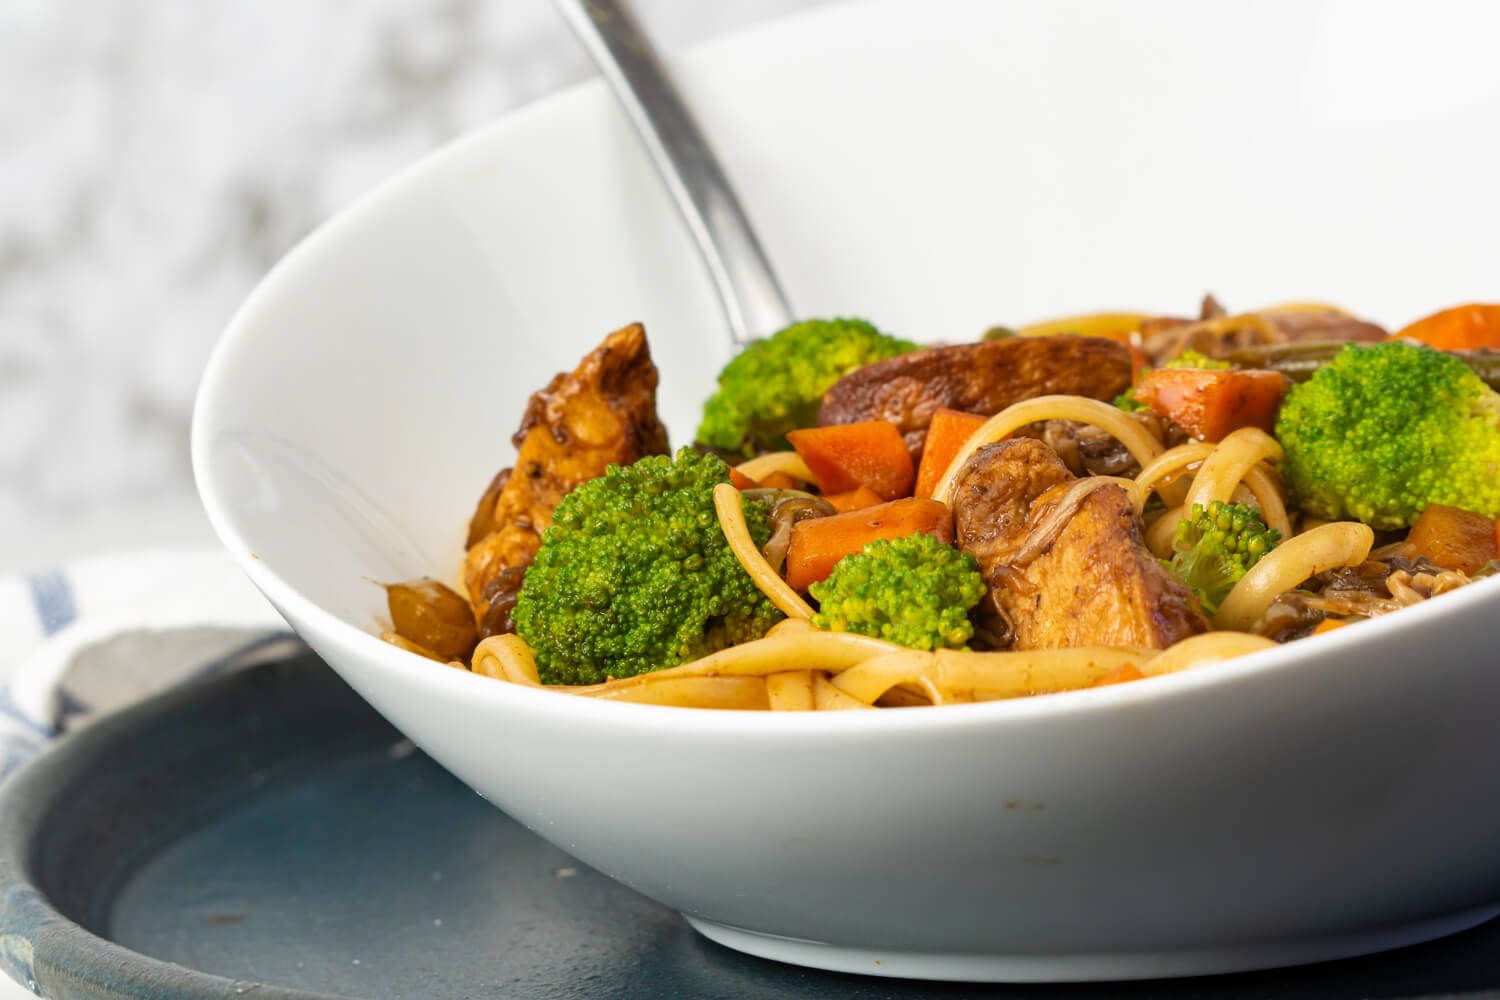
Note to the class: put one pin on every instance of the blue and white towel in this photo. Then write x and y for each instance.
(101, 633)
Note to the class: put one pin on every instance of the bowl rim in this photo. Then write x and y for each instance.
(238, 337)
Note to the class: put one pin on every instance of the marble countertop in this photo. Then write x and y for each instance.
(158, 158)
(162, 156)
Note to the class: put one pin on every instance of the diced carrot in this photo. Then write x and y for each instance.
(1209, 404)
(946, 433)
(1462, 328)
(855, 499)
(1120, 675)
(740, 481)
(1328, 625)
(845, 456)
(817, 544)
(1454, 538)
(779, 480)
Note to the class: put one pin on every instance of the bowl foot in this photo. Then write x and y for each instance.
(1090, 967)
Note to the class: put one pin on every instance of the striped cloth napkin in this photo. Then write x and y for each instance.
(102, 633)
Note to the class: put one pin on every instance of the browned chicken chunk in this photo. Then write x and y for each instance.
(600, 414)
(1064, 577)
(980, 378)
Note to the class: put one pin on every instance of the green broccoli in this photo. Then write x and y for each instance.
(1187, 359)
(635, 575)
(1126, 400)
(1213, 548)
(1382, 431)
(1197, 359)
(916, 591)
(776, 385)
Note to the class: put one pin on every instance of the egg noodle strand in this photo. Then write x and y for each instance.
(1328, 546)
(789, 462)
(729, 505)
(1159, 536)
(1167, 470)
(1239, 460)
(1227, 465)
(791, 691)
(1080, 409)
(837, 671)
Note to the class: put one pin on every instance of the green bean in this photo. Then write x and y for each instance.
(1299, 361)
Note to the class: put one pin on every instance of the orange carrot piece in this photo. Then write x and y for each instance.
(946, 433)
(843, 457)
(1462, 328)
(740, 481)
(1454, 538)
(782, 481)
(817, 544)
(1209, 404)
(1328, 625)
(1121, 675)
(855, 499)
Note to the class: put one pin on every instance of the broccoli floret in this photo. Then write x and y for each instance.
(1187, 359)
(1197, 359)
(916, 591)
(776, 385)
(1126, 400)
(1213, 548)
(635, 575)
(1382, 431)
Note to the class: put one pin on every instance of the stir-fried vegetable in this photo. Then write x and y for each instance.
(775, 385)
(1385, 430)
(847, 456)
(945, 436)
(1300, 361)
(1212, 549)
(1454, 538)
(1462, 328)
(915, 591)
(818, 545)
(635, 575)
(1211, 404)
(1128, 401)
(431, 616)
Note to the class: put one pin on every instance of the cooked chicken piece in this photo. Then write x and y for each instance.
(1059, 577)
(603, 413)
(980, 378)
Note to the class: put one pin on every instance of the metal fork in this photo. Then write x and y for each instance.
(751, 296)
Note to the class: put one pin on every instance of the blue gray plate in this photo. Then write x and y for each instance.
(267, 833)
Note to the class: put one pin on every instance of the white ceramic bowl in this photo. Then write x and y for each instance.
(937, 168)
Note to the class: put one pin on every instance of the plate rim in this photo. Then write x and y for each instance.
(40, 947)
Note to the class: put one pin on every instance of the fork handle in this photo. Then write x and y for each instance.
(751, 296)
